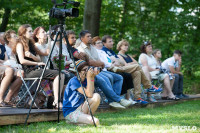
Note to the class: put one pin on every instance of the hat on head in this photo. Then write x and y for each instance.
(79, 64)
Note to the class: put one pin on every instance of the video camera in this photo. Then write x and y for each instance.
(63, 13)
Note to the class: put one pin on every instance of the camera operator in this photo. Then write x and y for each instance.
(75, 108)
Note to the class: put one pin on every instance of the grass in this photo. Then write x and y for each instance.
(161, 119)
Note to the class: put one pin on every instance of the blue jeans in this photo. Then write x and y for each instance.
(178, 84)
(116, 81)
(104, 84)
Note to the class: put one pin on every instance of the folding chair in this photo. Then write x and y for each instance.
(28, 84)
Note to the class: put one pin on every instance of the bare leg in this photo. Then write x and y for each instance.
(14, 89)
(56, 87)
(168, 87)
(172, 82)
(86, 117)
(6, 81)
(93, 102)
(164, 92)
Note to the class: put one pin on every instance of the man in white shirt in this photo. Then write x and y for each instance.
(173, 65)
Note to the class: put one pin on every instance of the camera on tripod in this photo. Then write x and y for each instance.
(63, 13)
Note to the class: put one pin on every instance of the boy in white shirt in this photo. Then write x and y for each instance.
(173, 65)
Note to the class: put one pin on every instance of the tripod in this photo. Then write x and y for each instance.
(59, 33)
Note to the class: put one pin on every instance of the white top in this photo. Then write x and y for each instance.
(55, 52)
(170, 62)
(150, 60)
(11, 58)
(8, 50)
(43, 49)
(90, 51)
(104, 58)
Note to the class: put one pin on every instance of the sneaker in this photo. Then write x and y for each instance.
(185, 96)
(141, 101)
(151, 99)
(133, 102)
(117, 105)
(179, 96)
(125, 102)
(154, 89)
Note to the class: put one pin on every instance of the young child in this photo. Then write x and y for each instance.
(75, 109)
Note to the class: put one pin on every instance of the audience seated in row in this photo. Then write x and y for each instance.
(120, 72)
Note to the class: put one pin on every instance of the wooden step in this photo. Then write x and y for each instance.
(10, 116)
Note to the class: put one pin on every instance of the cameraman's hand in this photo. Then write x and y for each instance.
(96, 71)
(40, 63)
(90, 73)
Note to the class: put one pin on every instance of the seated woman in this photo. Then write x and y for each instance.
(40, 38)
(122, 47)
(27, 55)
(158, 55)
(10, 38)
(149, 66)
(75, 108)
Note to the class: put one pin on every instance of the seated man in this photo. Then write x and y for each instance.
(134, 69)
(75, 108)
(101, 81)
(173, 65)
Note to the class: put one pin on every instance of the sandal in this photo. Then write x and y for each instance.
(55, 105)
(11, 103)
(4, 104)
(164, 98)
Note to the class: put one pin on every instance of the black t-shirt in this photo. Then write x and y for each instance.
(2, 52)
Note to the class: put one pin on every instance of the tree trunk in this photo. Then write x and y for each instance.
(5, 20)
(123, 19)
(91, 19)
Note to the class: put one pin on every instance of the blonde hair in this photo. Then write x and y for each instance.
(121, 43)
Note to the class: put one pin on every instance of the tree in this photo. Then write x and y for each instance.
(91, 20)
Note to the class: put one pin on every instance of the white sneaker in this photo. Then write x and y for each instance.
(116, 105)
(133, 102)
(125, 102)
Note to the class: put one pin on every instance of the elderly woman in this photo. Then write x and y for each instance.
(149, 66)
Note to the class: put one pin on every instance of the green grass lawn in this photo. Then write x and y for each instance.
(161, 119)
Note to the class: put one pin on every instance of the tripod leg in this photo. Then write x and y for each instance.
(40, 79)
(72, 57)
